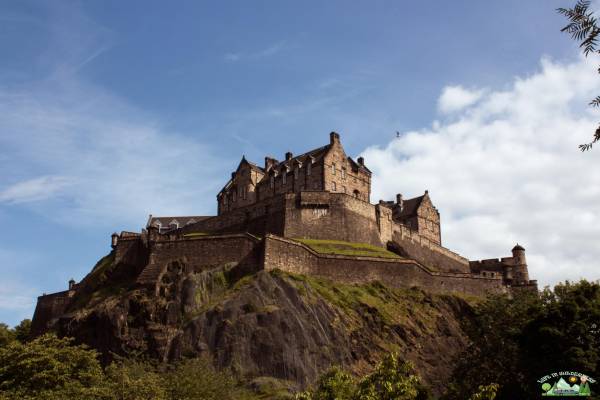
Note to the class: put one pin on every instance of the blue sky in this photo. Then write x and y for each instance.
(113, 110)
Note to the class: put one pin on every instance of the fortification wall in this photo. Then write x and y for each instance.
(199, 253)
(265, 216)
(337, 216)
(294, 257)
(426, 252)
(48, 307)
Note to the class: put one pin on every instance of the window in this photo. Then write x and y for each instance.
(344, 189)
(308, 168)
(272, 182)
(284, 178)
(332, 168)
(296, 172)
(333, 186)
(233, 195)
(343, 173)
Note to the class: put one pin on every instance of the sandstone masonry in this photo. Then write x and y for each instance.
(322, 194)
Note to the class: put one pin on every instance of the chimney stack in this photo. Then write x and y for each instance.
(361, 161)
(114, 239)
(334, 137)
(288, 156)
(71, 284)
(269, 162)
(399, 201)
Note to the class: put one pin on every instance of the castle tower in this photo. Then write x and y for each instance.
(521, 274)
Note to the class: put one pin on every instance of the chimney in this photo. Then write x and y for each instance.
(288, 156)
(269, 162)
(114, 238)
(361, 161)
(71, 284)
(334, 138)
(399, 201)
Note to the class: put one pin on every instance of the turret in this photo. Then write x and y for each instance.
(521, 274)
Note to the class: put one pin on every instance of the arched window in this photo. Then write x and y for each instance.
(333, 188)
(284, 178)
(356, 194)
(332, 168)
(308, 168)
(296, 173)
(272, 182)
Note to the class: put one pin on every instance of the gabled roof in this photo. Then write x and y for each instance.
(314, 155)
(182, 221)
(251, 164)
(357, 165)
(410, 206)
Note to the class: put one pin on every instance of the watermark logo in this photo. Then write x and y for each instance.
(566, 384)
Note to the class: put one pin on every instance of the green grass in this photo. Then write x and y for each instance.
(347, 248)
(394, 305)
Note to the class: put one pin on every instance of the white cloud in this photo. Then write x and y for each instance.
(456, 98)
(35, 189)
(508, 169)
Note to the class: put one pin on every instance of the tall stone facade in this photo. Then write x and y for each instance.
(326, 168)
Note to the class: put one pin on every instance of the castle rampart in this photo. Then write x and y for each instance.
(290, 256)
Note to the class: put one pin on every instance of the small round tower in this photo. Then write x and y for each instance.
(521, 274)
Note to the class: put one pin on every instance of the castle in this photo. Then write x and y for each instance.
(275, 217)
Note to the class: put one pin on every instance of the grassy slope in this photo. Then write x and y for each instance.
(347, 248)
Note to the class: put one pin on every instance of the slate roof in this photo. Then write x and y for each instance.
(182, 221)
(410, 206)
(315, 154)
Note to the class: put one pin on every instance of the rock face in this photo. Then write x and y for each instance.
(286, 326)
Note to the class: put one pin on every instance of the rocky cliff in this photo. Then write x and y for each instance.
(290, 327)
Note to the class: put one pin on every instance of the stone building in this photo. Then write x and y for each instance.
(326, 168)
(265, 213)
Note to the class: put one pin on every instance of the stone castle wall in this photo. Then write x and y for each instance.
(294, 257)
(334, 216)
(199, 253)
(49, 306)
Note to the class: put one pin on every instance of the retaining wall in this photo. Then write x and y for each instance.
(294, 257)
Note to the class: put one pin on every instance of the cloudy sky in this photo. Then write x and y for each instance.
(112, 110)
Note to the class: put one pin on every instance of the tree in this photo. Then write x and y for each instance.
(23, 330)
(393, 379)
(135, 380)
(335, 384)
(6, 335)
(50, 368)
(486, 392)
(196, 378)
(583, 28)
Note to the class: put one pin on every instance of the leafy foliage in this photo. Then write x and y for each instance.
(487, 392)
(392, 379)
(7, 335)
(48, 367)
(517, 341)
(583, 28)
